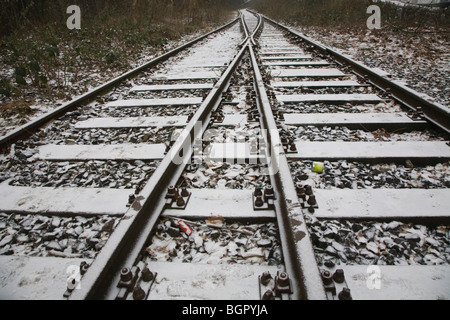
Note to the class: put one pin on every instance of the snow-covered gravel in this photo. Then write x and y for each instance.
(41, 236)
(219, 175)
(216, 241)
(90, 174)
(327, 133)
(356, 175)
(383, 243)
(421, 60)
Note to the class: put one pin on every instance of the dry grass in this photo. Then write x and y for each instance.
(16, 108)
(351, 14)
(41, 58)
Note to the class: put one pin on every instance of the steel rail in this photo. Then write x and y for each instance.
(298, 251)
(435, 113)
(247, 31)
(258, 27)
(30, 127)
(245, 28)
(132, 234)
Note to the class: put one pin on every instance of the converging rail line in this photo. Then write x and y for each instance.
(252, 163)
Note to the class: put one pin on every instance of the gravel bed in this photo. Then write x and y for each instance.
(292, 79)
(370, 242)
(92, 174)
(332, 108)
(326, 133)
(216, 241)
(381, 243)
(420, 60)
(219, 175)
(355, 175)
(42, 236)
(221, 134)
(189, 58)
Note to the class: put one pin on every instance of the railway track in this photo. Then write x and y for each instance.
(250, 164)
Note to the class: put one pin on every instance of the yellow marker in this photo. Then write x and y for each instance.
(318, 167)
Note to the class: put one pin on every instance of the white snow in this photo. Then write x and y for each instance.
(189, 86)
(292, 52)
(382, 203)
(368, 98)
(206, 281)
(294, 84)
(293, 57)
(345, 118)
(35, 278)
(303, 72)
(126, 151)
(187, 75)
(232, 151)
(398, 282)
(296, 63)
(233, 120)
(371, 150)
(63, 200)
(133, 122)
(154, 102)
